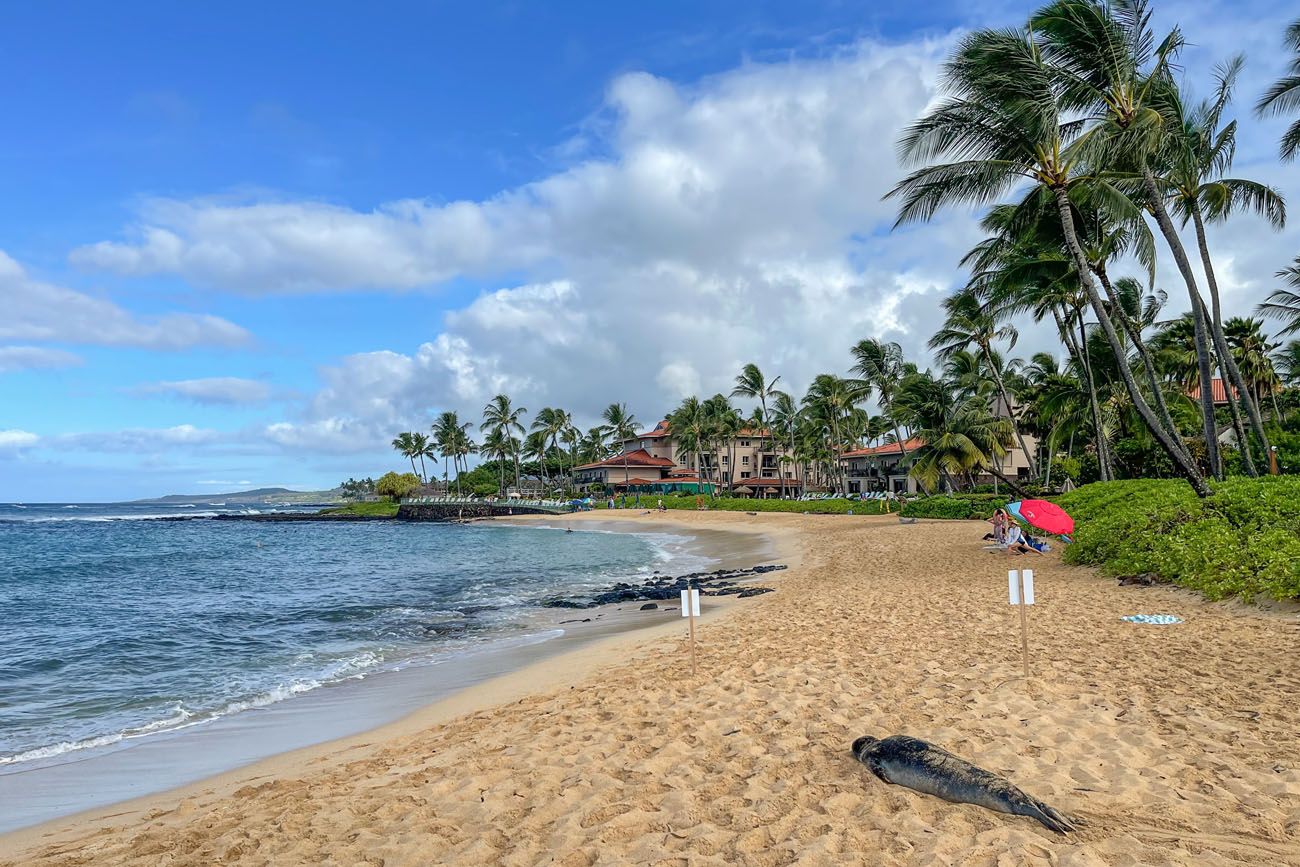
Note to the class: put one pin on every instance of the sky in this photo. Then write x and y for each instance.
(245, 245)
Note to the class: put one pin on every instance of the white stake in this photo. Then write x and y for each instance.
(691, 610)
(1020, 592)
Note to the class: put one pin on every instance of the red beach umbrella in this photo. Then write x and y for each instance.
(1046, 516)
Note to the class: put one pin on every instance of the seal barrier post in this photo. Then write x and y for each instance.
(1020, 590)
(691, 610)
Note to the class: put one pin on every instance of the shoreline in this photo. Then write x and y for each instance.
(1173, 741)
(473, 680)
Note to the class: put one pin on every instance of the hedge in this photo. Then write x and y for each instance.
(1243, 540)
(741, 504)
(956, 507)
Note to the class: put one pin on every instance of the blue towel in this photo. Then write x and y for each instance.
(1157, 619)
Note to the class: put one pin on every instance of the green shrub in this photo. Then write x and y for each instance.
(1244, 540)
(957, 507)
(741, 504)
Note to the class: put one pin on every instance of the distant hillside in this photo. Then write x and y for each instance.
(257, 496)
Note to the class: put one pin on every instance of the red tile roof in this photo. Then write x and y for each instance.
(638, 458)
(888, 449)
(663, 429)
(1218, 391)
(769, 483)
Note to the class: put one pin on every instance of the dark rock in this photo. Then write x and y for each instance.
(649, 606)
(753, 591)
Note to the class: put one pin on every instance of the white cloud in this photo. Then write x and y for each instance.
(214, 390)
(14, 358)
(13, 440)
(43, 312)
(734, 219)
(222, 482)
(143, 440)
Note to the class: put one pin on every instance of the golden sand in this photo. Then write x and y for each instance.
(1176, 744)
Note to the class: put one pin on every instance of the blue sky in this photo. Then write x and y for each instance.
(245, 244)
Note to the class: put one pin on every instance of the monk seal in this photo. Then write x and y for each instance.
(922, 766)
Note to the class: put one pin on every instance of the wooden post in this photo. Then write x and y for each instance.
(1024, 621)
(688, 610)
(688, 597)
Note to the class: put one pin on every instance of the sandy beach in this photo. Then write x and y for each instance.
(1175, 744)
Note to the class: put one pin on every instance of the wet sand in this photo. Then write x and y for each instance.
(1175, 744)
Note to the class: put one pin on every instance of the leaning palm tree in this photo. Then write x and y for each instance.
(404, 444)
(419, 448)
(621, 426)
(1111, 68)
(1002, 125)
(1284, 96)
(1284, 304)
(501, 415)
(1200, 150)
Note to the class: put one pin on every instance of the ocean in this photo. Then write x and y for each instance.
(126, 623)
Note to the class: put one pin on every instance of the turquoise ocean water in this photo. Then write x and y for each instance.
(118, 623)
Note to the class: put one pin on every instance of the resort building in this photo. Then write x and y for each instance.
(752, 459)
(884, 468)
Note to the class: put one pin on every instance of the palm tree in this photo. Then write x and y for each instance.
(1252, 353)
(420, 446)
(690, 430)
(1003, 125)
(1284, 95)
(453, 441)
(1200, 151)
(404, 443)
(881, 367)
(1111, 66)
(553, 423)
(621, 425)
(501, 415)
(970, 322)
(497, 446)
(1287, 363)
(537, 449)
(960, 437)
(829, 403)
(784, 423)
(1284, 304)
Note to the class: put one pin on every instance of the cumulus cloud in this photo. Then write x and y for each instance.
(227, 390)
(14, 358)
(40, 311)
(701, 226)
(13, 440)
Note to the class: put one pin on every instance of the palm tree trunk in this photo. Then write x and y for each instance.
(1104, 467)
(1203, 365)
(1188, 470)
(1226, 361)
(1002, 390)
(1024, 495)
(1134, 333)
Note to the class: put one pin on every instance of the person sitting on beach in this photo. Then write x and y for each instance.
(1019, 543)
(661, 507)
(1000, 520)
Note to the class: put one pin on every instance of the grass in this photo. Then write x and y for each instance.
(381, 509)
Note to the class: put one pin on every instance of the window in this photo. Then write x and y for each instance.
(724, 458)
(744, 442)
(744, 475)
(768, 474)
(744, 460)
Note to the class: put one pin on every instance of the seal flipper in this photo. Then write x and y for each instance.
(1046, 816)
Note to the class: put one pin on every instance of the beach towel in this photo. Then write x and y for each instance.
(1154, 619)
